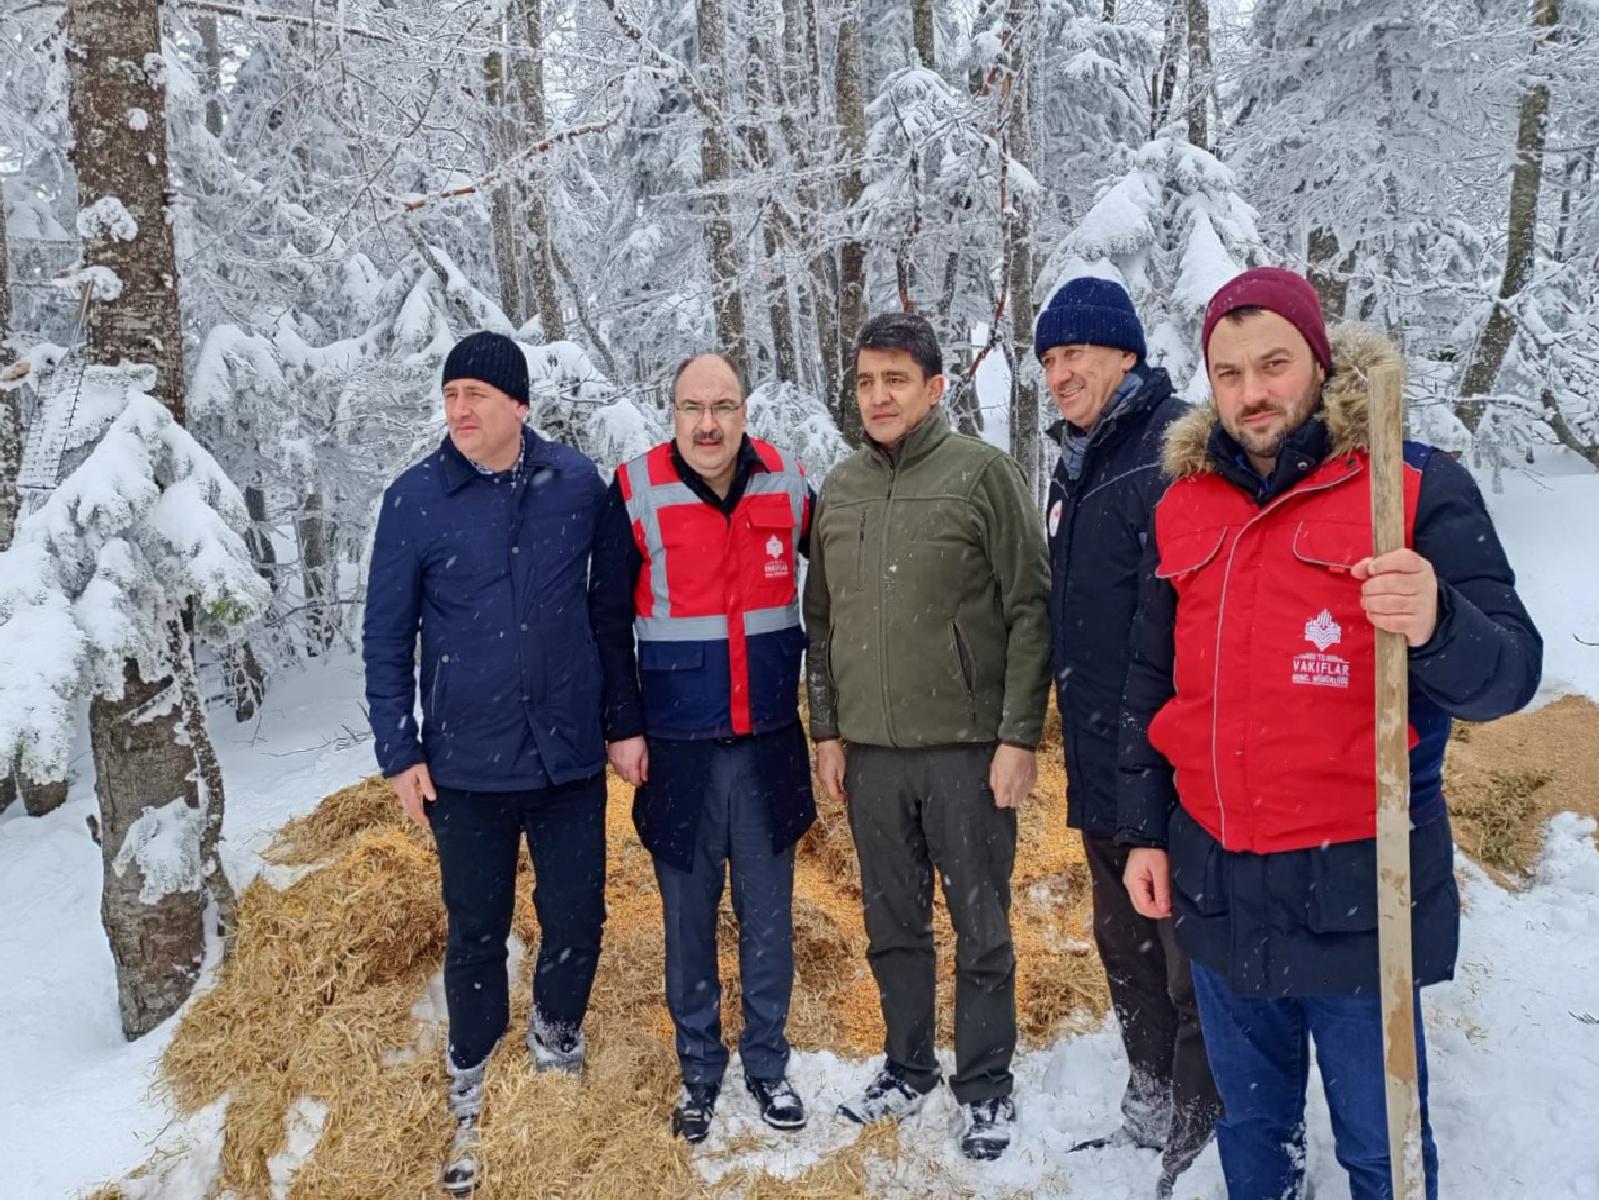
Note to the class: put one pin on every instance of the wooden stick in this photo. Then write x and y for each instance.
(1393, 803)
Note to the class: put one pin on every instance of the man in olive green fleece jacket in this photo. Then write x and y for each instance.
(927, 612)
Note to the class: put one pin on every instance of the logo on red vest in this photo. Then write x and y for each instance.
(777, 568)
(1320, 669)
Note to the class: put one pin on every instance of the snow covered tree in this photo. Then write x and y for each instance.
(1172, 230)
(109, 567)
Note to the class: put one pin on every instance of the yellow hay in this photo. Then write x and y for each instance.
(317, 1001)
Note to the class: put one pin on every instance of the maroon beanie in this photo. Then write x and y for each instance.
(1288, 295)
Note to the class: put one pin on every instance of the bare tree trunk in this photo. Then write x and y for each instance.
(715, 173)
(211, 60)
(208, 772)
(507, 264)
(1110, 11)
(10, 402)
(850, 90)
(1329, 276)
(154, 922)
(1019, 250)
(923, 32)
(1526, 180)
(583, 318)
(1199, 74)
(775, 274)
(530, 90)
(156, 927)
(316, 570)
(1165, 81)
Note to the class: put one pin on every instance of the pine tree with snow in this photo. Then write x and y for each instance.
(1172, 230)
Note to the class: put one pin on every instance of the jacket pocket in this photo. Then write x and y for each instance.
(857, 577)
(964, 666)
(1189, 553)
(438, 694)
(1343, 888)
(1337, 546)
(670, 656)
(1197, 868)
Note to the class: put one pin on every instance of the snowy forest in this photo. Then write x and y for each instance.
(238, 238)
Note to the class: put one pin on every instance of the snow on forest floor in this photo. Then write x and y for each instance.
(1514, 1040)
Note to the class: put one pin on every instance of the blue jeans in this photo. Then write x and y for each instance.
(1260, 1056)
(735, 831)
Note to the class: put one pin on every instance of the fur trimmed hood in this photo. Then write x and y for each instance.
(1356, 349)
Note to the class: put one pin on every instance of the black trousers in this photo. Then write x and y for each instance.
(1170, 1101)
(479, 835)
(914, 814)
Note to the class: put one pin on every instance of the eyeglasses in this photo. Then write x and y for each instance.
(721, 410)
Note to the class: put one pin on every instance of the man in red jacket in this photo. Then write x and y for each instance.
(1247, 756)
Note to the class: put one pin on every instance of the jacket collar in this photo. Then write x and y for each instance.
(915, 445)
(1155, 388)
(457, 470)
(1196, 444)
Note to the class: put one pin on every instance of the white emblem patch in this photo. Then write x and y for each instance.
(777, 567)
(1322, 669)
(1054, 516)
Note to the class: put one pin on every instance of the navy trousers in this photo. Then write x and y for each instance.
(734, 836)
(479, 836)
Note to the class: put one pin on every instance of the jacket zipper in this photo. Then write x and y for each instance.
(1221, 621)
(882, 619)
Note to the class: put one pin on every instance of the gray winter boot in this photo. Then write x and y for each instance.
(466, 1106)
(554, 1047)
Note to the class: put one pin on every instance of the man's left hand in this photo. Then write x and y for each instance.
(1012, 775)
(1399, 591)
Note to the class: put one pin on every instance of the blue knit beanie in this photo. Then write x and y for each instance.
(490, 358)
(1092, 312)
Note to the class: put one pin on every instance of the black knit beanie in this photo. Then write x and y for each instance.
(490, 358)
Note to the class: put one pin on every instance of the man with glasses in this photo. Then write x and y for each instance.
(696, 559)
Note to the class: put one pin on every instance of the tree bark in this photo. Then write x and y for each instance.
(715, 172)
(1165, 80)
(1018, 144)
(312, 530)
(211, 62)
(208, 772)
(774, 276)
(530, 91)
(139, 764)
(1199, 73)
(850, 92)
(1526, 180)
(1329, 276)
(923, 31)
(115, 67)
(507, 260)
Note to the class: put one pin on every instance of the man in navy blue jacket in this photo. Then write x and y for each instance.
(1115, 408)
(483, 548)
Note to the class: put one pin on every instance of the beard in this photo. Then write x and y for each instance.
(1268, 442)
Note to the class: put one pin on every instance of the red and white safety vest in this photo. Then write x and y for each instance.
(716, 605)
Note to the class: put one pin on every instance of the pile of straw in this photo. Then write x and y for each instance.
(317, 1001)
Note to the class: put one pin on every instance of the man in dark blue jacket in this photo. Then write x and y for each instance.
(1248, 742)
(1115, 409)
(483, 548)
(697, 559)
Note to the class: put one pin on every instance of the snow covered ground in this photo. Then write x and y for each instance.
(1514, 1039)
